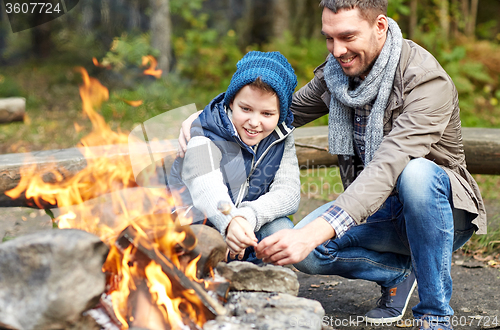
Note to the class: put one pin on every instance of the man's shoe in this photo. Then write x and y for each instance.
(427, 324)
(392, 305)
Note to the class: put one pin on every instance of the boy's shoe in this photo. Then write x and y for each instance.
(392, 305)
(426, 324)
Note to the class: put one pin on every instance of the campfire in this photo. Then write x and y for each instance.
(151, 268)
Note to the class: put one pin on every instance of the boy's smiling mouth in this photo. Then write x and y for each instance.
(251, 131)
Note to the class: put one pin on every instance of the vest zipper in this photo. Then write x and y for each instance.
(243, 191)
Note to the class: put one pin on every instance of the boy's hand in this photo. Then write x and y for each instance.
(239, 236)
(185, 133)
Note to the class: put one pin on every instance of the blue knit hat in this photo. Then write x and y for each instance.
(273, 69)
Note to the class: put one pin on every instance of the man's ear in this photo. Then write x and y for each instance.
(382, 25)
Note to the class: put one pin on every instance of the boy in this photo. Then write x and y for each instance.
(243, 153)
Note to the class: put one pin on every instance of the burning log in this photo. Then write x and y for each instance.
(129, 236)
(143, 253)
(212, 248)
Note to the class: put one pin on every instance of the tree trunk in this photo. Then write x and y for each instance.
(135, 15)
(465, 14)
(444, 18)
(281, 17)
(471, 21)
(413, 19)
(455, 19)
(245, 24)
(41, 37)
(161, 31)
(105, 14)
(87, 16)
(298, 18)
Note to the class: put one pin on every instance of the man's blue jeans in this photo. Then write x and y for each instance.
(416, 228)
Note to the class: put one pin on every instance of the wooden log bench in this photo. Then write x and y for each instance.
(12, 109)
(482, 150)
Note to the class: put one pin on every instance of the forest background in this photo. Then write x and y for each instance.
(197, 44)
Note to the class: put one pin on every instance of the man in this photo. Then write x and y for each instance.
(408, 201)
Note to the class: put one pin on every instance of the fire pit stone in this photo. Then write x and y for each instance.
(245, 276)
(49, 278)
(272, 311)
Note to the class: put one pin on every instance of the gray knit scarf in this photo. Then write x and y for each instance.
(378, 84)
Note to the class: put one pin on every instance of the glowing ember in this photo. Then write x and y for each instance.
(104, 199)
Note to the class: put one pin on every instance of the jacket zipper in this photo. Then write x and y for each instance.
(245, 186)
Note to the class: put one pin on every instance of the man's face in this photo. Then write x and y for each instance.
(352, 40)
(255, 114)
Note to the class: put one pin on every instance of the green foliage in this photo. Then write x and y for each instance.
(487, 30)
(157, 97)
(476, 84)
(186, 9)
(396, 8)
(304, 56)
(9, 87)
(206, 57)
(127, 51)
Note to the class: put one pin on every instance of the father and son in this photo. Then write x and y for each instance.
(394, 123)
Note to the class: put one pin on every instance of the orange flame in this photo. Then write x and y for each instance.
(104, 199)
(151, 70)
(133, 103)
(100, 65)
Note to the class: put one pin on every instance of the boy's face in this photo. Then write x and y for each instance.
(255, 114)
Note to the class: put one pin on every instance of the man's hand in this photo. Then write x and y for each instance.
(239, 236)
(185, 133)
(290, 246)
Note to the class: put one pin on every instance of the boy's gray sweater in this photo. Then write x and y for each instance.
(208, 189)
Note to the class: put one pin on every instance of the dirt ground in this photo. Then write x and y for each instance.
(476, 296)
(476, 299)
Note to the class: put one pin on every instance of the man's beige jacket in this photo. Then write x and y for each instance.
(422, 119)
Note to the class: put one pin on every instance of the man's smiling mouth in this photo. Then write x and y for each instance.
(347, 60)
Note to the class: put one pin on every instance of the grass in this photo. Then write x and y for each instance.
(321, 183)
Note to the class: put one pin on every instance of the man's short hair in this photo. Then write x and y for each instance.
(369, 9)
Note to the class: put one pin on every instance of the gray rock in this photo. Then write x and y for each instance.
(245, 276)
(49, 278)
(270, 311)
